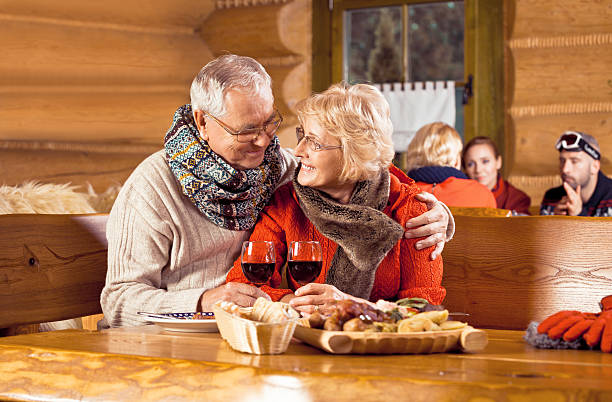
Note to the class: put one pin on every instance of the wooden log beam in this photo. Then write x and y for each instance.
(576, 74)
(47, 54)
(271, 30)
(115, 14)
(79, 167)
(97, 114)
(543, 18)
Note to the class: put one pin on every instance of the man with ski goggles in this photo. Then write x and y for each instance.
(585, 191)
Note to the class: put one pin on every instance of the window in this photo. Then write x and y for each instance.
(409, 42)
(406, 43)
(417, 40)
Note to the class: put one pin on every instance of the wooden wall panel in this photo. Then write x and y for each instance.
(98, 114)
(574, 74)
(259, 24)
(535, 187)
(558, 58)
(560, 17)
(87, 90)
(124, 14)
(79, 164)
(51, 54)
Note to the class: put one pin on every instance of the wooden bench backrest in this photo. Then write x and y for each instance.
(52, 267)
(506, 272)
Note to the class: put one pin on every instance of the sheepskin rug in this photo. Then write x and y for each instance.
(39, 198)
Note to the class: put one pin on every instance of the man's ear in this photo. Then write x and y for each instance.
(200, 121)
(595, 166)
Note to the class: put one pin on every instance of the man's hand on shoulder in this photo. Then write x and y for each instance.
(240, 293)
(432, 225)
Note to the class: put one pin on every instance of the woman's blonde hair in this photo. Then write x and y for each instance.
(359, 117)
(435, 144)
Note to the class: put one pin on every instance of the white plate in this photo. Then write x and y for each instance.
(182, 322)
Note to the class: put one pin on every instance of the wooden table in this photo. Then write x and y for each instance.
(147, 363)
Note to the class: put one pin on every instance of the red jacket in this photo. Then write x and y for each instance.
(456, 192)
(509, 197)
(404, 272)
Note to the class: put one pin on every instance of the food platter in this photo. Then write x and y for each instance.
(183, 322)
(465, 339)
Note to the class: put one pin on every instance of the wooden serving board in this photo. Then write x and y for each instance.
(465, 339)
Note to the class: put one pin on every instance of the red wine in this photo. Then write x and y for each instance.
(258, 272)
(304, 271)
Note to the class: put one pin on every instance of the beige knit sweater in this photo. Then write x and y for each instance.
(162, 252)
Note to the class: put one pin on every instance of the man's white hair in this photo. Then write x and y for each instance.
(229, 71)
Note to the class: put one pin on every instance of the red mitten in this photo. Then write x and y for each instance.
(600, 332)
(568, 324)
(579, 328)
(555, 319)
(606, 338)
(596, 329)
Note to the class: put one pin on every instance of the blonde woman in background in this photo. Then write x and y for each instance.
(433, 160)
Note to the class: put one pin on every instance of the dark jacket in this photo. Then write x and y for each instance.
(600, 203)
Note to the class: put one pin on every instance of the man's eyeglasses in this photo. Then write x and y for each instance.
(250, 134)
(572, 140)
(311, 143)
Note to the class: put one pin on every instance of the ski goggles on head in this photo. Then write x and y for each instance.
(573, 141)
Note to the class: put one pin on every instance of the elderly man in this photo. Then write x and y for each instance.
(181, 217)
(585, 190)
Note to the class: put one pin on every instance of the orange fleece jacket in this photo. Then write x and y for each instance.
(456, 192)
(404, 272)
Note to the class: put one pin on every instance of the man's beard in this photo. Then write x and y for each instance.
(573, 182)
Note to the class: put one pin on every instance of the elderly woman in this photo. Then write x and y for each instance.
(482, 162)
(346, 195)
(433, 160)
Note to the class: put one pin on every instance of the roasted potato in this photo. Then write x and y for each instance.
(357, 324)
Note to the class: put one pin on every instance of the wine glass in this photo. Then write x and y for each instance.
(257, 260)
(305, 261)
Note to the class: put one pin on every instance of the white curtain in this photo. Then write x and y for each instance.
(411, 108)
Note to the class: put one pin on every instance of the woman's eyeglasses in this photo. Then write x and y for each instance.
(250, 134)
(311, 143)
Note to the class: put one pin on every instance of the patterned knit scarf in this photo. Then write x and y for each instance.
(364, 234)
(229, 197)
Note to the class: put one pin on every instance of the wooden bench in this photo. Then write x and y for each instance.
(52, 267)
(506, 272)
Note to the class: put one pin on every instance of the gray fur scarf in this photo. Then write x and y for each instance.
(364, 234)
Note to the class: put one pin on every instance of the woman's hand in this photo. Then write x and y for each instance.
(311, 297)
(432, 224)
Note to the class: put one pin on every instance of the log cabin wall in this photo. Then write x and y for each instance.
(87, 90)
(558, 77)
